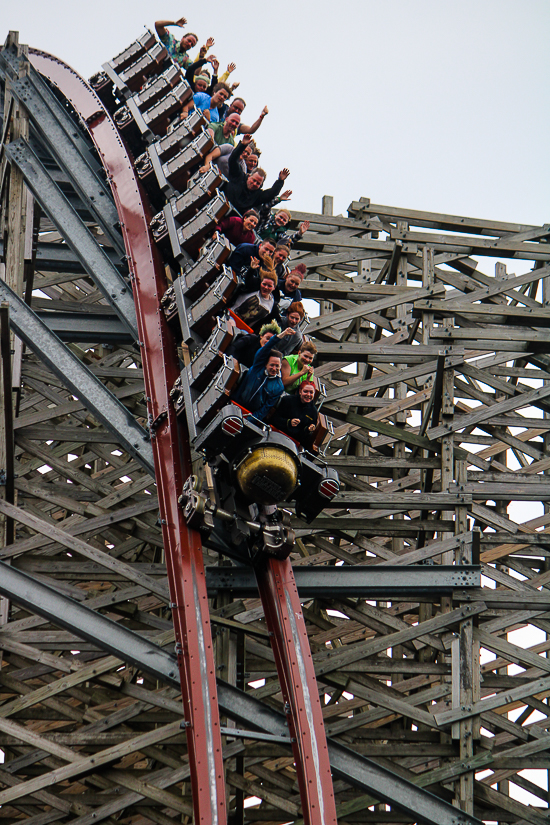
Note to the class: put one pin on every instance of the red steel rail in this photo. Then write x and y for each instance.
(183, 547)
(285, 620)
(186, 574)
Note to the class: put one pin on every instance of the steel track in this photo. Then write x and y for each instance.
(184, 560)
(183, 549)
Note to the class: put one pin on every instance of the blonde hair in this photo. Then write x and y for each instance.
(286, 211)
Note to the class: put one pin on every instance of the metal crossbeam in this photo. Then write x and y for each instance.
(131, 647)
(57, 132)
(78, 236)
(377, 581)
(87, 624)
(78, 379)
(86, 327)
(58, 257)
(359, 771)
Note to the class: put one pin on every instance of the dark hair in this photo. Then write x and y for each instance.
(227, 88)
(239, 98)
(276, 353)
(251, 212)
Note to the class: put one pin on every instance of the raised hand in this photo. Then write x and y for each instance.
(286, 195)
(264, 112)
(254, 263)
(284, 173)
(231, 67)
(209, 43)
(304, 226)
(246, 139)
(181, 22)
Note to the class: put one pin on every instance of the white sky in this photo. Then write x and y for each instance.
(426, 104)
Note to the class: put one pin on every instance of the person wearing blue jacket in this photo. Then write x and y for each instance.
(262, 384)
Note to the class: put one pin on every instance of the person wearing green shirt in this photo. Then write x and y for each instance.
(177, 49)
(297, 368)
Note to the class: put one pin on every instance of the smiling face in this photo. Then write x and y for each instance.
(250, 223)
(292, 282)
(280, 255)
(273, 366)
(306, 357)
(251, 162)
(266, 287)
(254, 181)
(293, 319)
(188, 41)
(281, 219)
(231, 123)
(307, 392)
(265, 249)
(237, 106)
(201, 85)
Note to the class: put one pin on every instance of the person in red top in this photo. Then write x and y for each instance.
(240, 230)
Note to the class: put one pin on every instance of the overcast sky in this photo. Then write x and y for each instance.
(425, 104)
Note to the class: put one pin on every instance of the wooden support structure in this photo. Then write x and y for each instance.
(437, 367)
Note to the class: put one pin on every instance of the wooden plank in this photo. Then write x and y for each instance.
(524, 400)
(84, 549)
(375, 306)
(83, 765)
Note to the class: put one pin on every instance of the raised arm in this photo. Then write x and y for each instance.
(192, 70)
(262, 356)
(249, 130)
(160, 25)
(233, 163)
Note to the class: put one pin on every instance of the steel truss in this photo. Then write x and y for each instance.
(438, 406)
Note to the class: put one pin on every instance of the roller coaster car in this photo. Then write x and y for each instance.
(171, 177)
(181, 133)
(196, 276)
(135, 124)
(198, 317)
(213, 302)
(156, 87)
(265, 466)
(214, 397)
(190, 237)
(210, 356)
(179, 209)
(134, 51)
(102, 82)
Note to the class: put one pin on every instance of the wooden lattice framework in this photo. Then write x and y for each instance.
(439, 430)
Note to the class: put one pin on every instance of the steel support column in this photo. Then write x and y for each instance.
(59, 132)
(78, 379)
(92, 257)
